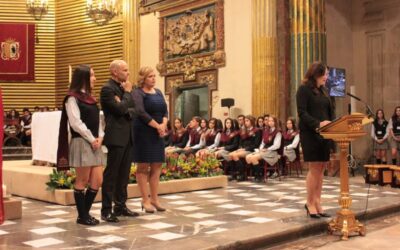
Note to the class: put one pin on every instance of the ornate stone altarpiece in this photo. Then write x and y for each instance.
(191, 46)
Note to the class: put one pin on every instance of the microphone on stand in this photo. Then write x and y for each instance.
(368, 108)
(355, 97)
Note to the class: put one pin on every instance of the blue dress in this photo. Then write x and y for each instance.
(148, 146)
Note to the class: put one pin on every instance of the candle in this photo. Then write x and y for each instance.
(4, 191)
(69, 73)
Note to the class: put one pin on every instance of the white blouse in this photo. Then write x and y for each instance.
(74, 118)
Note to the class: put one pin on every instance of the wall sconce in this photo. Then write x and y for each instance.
(102, 11)
(37, 8)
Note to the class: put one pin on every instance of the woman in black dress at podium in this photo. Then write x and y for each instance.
(315, 109)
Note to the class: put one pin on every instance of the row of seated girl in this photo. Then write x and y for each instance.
(386, 135)
(240, 141)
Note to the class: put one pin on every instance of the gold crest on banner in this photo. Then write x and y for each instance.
(10, 50)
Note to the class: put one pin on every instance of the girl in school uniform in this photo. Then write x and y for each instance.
(268, 149)
(81, 113)
(229, 139)
(394, 131)
(250, 138)
(178, 137)
(380, 135)
(291, 140)
(211, 137)
(194, 143)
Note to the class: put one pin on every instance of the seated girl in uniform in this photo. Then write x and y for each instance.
(194, 143)
(211, 137)
(229, 142)
(268, 149)
(178, 137)
(250, 138)
(291, 140)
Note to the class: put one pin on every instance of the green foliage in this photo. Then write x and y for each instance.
(175, 167)
(61, 180)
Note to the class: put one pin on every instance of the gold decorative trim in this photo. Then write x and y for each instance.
(131, 22)
(355, 126)
(373, 173)
(188, 67)
(186, 60)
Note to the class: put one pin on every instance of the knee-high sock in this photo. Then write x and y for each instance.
(79, 196)
(90, 195)
(240, 167)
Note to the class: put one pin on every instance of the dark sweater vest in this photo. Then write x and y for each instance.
(288, 137)
(90, 117)
(178, 138)
(396, 127)
(194, 137)
(268, 137)
(380, 129)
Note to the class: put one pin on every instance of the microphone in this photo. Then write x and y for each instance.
(368, 108)
(355, 97)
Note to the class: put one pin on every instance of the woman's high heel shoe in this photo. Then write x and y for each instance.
(314, 216)
(147, 210)
(324, 215)
(159, 208)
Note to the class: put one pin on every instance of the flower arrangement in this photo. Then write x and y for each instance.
(175, 167)
(61, 180)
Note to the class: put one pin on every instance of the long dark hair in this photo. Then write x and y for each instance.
(258, 118)
(232, 124)
(218, 125)
(316, 70)
(394, 116)
(383, 114)
(177, 119)
(81, 79)
(203, 119)
(293, 123)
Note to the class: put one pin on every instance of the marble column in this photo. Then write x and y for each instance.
(131, 21)
(265, 89)
(308, 40)
(284, 53)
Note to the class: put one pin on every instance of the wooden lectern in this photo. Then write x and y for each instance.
(344, 130)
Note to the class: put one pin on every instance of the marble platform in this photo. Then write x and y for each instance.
(34, 178)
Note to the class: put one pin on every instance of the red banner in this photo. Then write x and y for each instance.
(1, 159)
(17, 52)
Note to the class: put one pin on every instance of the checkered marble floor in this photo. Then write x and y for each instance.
(199, 219)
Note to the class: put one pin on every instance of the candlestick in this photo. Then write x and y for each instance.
(69, 73)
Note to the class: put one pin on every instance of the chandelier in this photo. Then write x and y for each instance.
(101, 11)
(37, 8)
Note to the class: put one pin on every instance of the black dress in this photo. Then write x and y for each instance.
(148, 146)
(313, 107)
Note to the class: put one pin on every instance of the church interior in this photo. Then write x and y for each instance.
(213, 59)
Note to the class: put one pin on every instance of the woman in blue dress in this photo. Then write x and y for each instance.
(149, 128)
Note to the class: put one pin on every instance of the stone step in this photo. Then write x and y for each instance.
(9, 157)
(17, 150)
